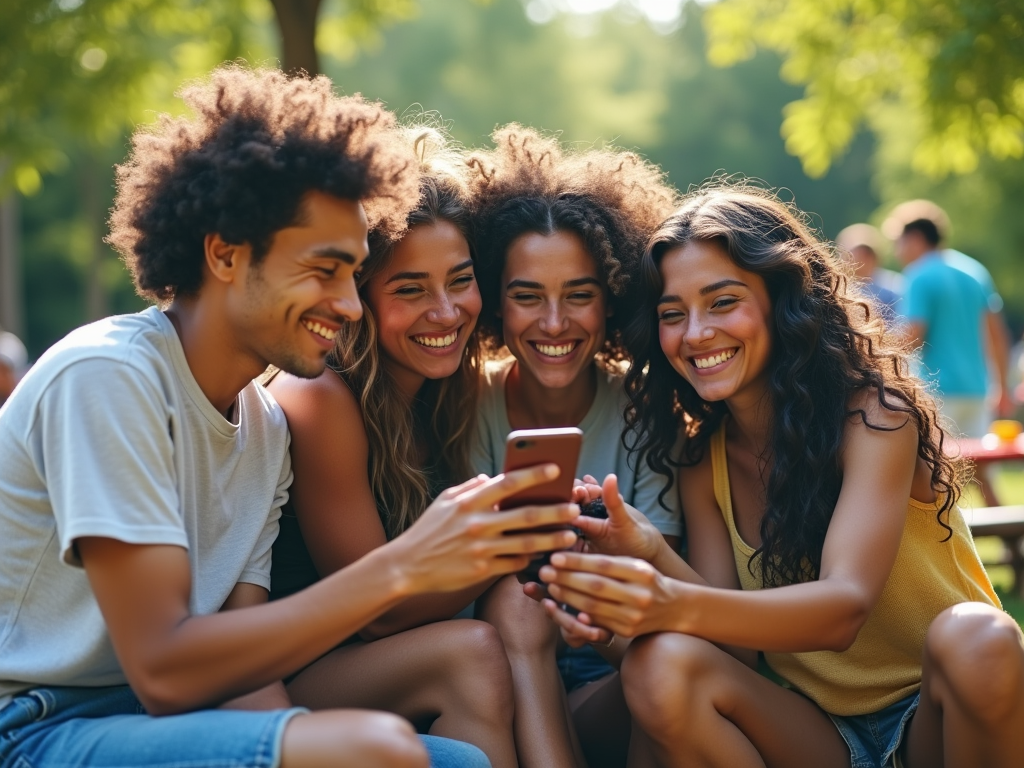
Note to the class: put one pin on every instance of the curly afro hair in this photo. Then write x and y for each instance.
(239, 167)
(612, 199)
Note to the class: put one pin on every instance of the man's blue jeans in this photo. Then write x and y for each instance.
(108, 727)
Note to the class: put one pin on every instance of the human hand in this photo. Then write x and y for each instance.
(624, 595)
(576, 628)
(461, 539)
(626, 531)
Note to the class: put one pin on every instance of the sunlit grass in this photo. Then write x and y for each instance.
(1009, 487)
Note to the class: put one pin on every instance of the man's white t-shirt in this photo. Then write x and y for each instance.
(110, 435)
(602, 454)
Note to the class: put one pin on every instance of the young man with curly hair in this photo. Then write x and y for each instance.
(143, 470)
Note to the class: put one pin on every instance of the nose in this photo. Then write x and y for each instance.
(347, 304)
(697, 330)
(554, 320)
(444, 311)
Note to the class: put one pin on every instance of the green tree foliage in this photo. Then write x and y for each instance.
(85, 70)
(955, 67)
(611, 78)
(80, 71)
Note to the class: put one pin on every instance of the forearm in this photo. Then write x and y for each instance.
(999, 349)
(206, 660)
(422, 609)
(669, 563)
(815, 616)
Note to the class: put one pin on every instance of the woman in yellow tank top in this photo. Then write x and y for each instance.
(822, 524)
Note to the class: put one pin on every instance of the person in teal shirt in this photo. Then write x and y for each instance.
(946, 310)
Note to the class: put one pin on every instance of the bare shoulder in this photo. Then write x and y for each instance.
(867, 411)
(323, 404)
(696, 483)
(876, 432)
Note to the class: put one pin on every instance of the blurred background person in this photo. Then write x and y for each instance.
(13, 361)
(861, 245)
(965, 345)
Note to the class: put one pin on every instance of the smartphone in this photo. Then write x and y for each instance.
(529, 447)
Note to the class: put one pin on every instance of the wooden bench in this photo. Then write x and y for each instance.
(1008, 524)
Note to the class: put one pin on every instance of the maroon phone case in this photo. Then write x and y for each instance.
(530, 447)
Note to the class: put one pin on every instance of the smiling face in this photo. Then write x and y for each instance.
(553, 309)
(426, 303)
(290, 304)
(714, 323)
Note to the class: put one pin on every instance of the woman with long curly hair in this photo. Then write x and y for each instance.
(374, 440)
(558, 234)
(822, 521)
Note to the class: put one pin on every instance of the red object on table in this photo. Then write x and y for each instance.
(987, 449)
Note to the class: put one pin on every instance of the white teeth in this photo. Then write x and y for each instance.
(438, 342)
(555, 350)
(710, 362)
(319, 330)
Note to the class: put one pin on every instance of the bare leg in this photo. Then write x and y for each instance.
(351, 739)
(972, 692)
(602, 721)
(452, 675)
(543, 733)
(699, 706)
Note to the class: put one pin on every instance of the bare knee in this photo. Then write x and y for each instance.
(351, 738)
(524, 627)
(977, 653)
(664, 677)
(478, 673)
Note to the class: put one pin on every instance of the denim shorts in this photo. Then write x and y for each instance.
(579, 666)
(62, 727)
(874, 739)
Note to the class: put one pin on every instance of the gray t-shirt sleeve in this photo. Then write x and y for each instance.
(647, 486)
(481, 457)
(103, 443)
(257, 570)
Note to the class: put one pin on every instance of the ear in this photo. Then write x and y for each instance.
(225, 261)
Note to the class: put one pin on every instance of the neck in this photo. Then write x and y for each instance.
(751, 422)
(531, 405)
(220, 363)
(409, 383)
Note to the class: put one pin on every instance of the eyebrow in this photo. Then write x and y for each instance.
(719, 285)
(567, 284)
(703, 291)
(335, 253)
(424, 275)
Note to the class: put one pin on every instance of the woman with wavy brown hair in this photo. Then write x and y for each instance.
(822, 521)
(559, 234)
(374, 440)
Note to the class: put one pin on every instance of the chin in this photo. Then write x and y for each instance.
(303, 369)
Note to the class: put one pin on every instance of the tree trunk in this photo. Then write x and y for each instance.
(11, 313)
(296, 21)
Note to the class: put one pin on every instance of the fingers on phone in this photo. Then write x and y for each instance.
(620, 568)
(497, 488)
(572, 625)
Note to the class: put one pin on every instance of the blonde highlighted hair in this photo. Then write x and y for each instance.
(414, 452)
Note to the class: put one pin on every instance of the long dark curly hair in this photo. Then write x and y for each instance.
(827, 346)
(612, 199)
(256, 143)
